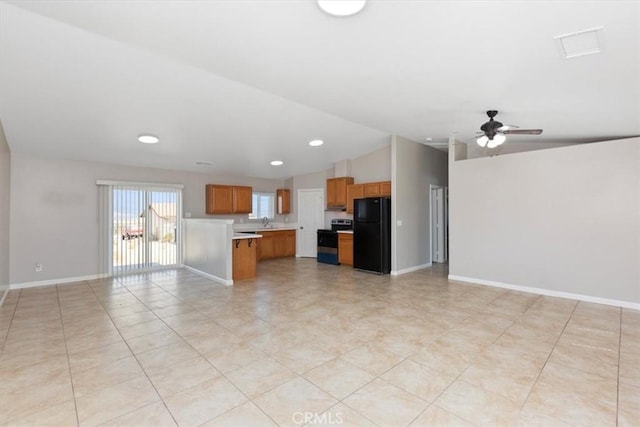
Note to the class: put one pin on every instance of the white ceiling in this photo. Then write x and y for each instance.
(241, 83)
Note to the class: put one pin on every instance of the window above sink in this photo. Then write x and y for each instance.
(263, 206)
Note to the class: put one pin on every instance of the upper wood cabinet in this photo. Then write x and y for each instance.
(219, 199)
(283, 201)
(228, 199)
(242, 199)
(385, 188)
(367, 189)
(354, 191)
(337, 191)
(371, 189)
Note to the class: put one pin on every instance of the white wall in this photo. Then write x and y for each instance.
(414, 167)
(54, 211)
(207, 247)
(374, 166)
(5, 207)
(564, 220)
(513, 145)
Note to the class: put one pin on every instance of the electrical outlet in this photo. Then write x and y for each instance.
(39, 267)
(187, 214)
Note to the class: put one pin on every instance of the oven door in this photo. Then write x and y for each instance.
(328, 247)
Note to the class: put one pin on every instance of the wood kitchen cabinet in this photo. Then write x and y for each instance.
(242, 199)
(228, 199)
(385, 189)
(219, 199)
(283, 201)
(337, 191)
(345, 248)
(354, 191)
(266, 247)
(276, 244)
(244, 258)
(367, 189)
(290, 243)
(372, 189)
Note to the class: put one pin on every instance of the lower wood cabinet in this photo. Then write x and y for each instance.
(276, 244)
(345, 248)
(244, 258)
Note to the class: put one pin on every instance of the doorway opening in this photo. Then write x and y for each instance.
(439, 223)
(144, 228)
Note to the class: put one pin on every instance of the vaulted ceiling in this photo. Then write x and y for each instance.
(241, 83)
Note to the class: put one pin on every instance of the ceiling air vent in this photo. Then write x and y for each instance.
(580, 43)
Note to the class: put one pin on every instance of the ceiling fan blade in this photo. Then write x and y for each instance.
(523, 132)
(507, 127)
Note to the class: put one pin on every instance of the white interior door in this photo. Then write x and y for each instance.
(438, 225)
(310, 219)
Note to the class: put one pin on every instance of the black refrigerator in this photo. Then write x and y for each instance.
(372, 234)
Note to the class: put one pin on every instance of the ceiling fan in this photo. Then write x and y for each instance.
(494, 133)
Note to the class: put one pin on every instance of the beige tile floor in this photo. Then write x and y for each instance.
(313, 344)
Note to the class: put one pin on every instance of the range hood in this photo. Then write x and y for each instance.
(336, 208)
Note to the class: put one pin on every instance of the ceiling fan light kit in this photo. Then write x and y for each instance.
(494, 132)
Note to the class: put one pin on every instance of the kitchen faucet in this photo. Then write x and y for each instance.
(265, 222)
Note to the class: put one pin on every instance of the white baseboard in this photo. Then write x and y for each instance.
(208, 276)
(4, 296)
(410, 269)
(548, 292)
(61, 281)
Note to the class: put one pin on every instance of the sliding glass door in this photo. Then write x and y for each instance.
(145, 228)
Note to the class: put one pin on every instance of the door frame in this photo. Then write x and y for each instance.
(322, 205)
(445, 225)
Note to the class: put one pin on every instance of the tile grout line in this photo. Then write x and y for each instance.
(66, 349)
(549, 356)
(13, 313)
(222, 374)
(134, 356)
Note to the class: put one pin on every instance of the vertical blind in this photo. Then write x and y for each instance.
(139, 226)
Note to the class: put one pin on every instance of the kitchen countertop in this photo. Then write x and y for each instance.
(345, 231)
(238, 236)
(260, 230)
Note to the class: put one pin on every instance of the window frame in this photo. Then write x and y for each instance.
(256, 205)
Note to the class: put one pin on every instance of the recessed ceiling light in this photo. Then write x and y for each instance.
(316, 142)
(277, 163)
(428, 139)
(147, 138)
(341, 7)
